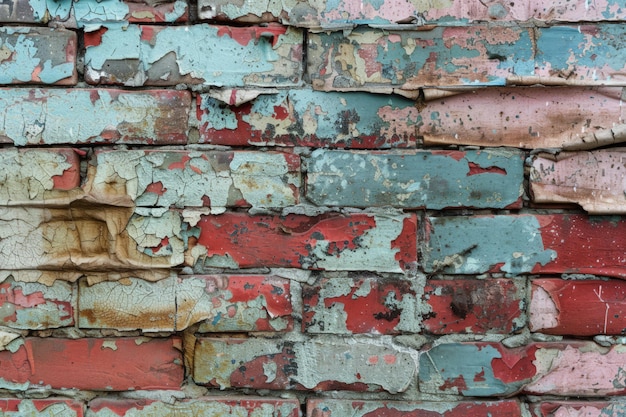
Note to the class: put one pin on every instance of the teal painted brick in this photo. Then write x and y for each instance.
(138, 55)
(412, 179)
(37, 55)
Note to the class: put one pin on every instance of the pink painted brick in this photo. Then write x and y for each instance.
(474, 306)
(14, 407)
(578, 409)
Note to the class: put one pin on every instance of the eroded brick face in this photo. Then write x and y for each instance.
(312, 208)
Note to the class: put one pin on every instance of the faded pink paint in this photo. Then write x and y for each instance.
(543, 314)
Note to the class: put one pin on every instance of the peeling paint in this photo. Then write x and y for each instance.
(90, 14)
(40, 408)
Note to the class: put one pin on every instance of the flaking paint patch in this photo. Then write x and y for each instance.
(544, 313)
(40, 408)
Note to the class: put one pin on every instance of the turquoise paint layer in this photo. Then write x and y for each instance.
(474, 245)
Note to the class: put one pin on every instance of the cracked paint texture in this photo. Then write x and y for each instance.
(360, 408)
(45, 116)
(578, 409)
(361, 305)
(522, 117)
(271, 364)
(593, 180)
(40, 407)
(195, 179)
(334, 14)
(384, 243)
(200, 54)
(37, 55)
(370, 59)
(39, 176)
(578, 308)
(311, 118)
(247, 406)
(90, 14)
(416, 179)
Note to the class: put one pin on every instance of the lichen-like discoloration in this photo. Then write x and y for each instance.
(39, 177)
(42, 116)
(195, 179)
(14, 407)
(523, 117)
(412, 179)
(458, 245)
(358, 241)
(37, 55)
(477, 55)
(198, 54)
(593, 180)
(35, 306)
(310, 118)
(302, 365)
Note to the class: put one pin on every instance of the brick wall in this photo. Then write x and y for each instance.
(317, 208)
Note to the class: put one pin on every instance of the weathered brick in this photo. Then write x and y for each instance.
(37, 55)
(578, 409)
(25, 305)
(13, 407)
(489, 369)
(22, 11)
(546, 244)
(89, 13)
(310, 365)
(578, 308)
(229, 303)
(357, 241)
(204, 406)
(39, 176)
(358, 408)
(474, 306)
(334, 15)
(476, 55)
(195, 179)
(360, 305)
(412, 179)
(593, 180)
(42, 116)
(199, 54)
(93, 364)
(218, 302)
(524, 117)
(309, 118)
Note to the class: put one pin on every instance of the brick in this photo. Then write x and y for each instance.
(97, 116)
(309, 118)
(471, 55)
(199, 54)
(39, 176)
(593, 180)
(339, 408)
(13, 407)
(489, 369)
(343, 14)
(22, 11)
(33, 306)
(221, 303)
(356, 241)
(474, 306)
(416, 179)
(310, 365)
(540, 244)
(95, 238)
(234, 303)
(89, 13)
(360, 305)
(93, 364)
(522, 117)
(578, 308)
(577, 409)
(37, 55)
(195, 179)
(205, 406)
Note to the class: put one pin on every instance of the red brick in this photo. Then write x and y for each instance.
(474, 306)
(330, 241)
(578, 409)
(203, 406)
(94, 364)
(340, 408)
(578, 308)
(13, 407)
(360, 305)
